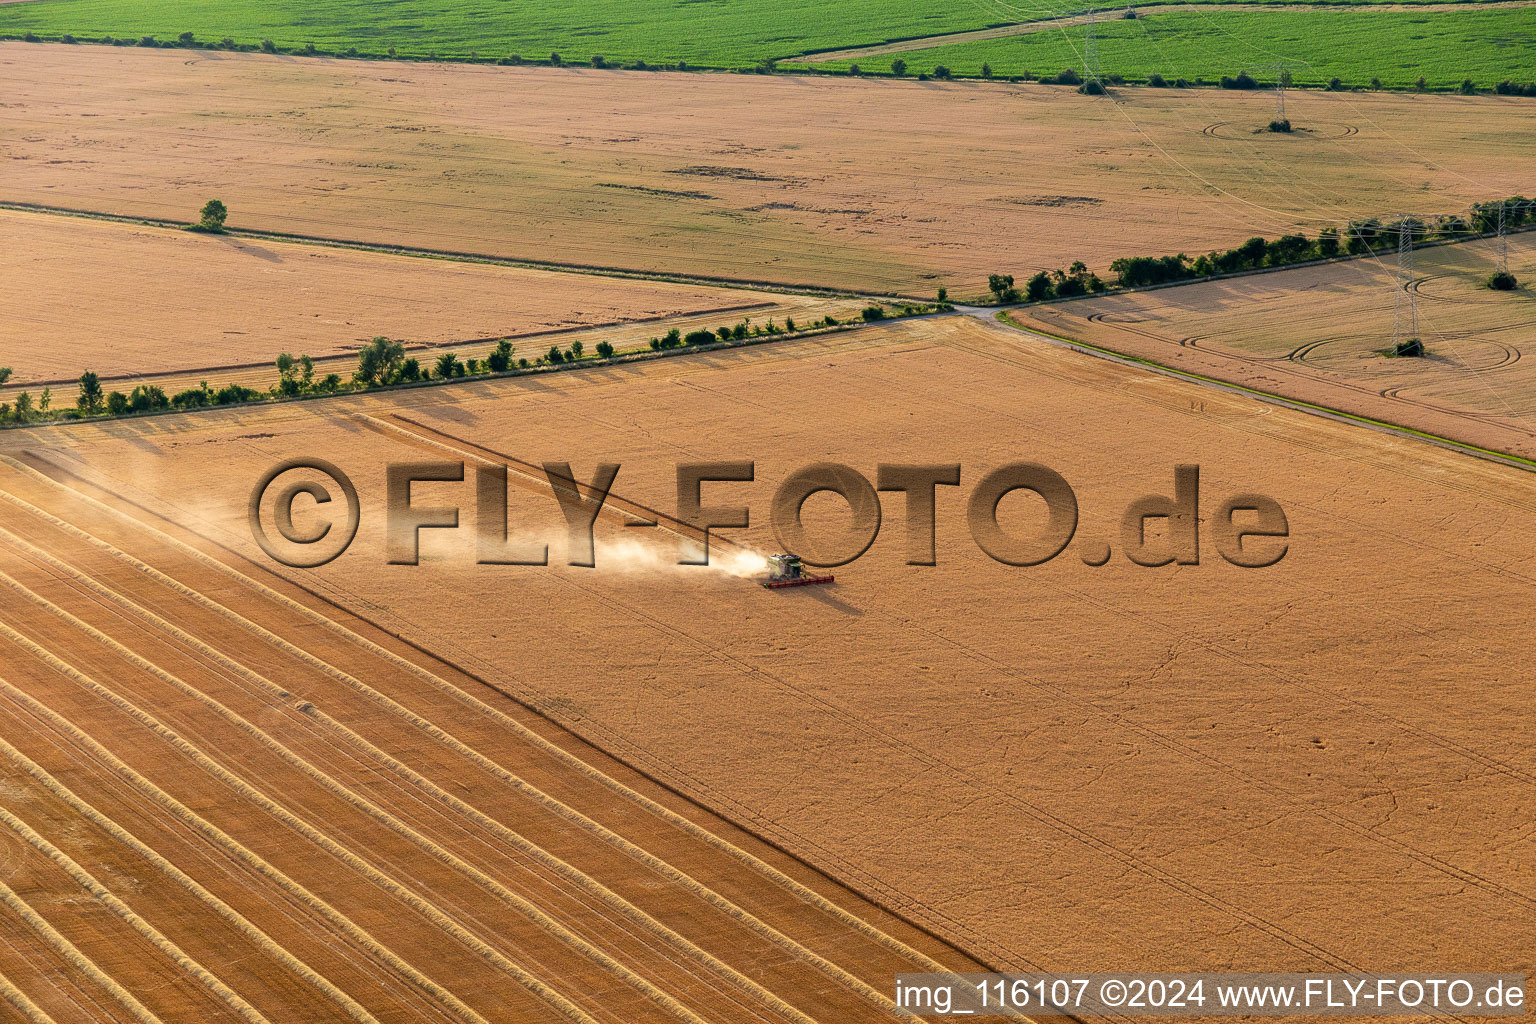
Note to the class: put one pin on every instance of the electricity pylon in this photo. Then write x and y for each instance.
(1405, 309)
(1503, 243)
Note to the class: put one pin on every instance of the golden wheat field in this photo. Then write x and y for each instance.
(1319, 334)
(1060, 767)
(130, 301)
(472, 771)
(870, 185)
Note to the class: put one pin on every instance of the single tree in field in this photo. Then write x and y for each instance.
(288, 382)
(898, 67)
(379, 361)
(23, 407)
(212, 216)
(46, 402)
(91, 397)
(1001, 285)
(447, 366)
(5, 374)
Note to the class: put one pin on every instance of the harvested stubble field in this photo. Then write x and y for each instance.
(1317, 334)
(1323, 765)
(830, 182)
(625, 337)
(228, 799)
(127, 300)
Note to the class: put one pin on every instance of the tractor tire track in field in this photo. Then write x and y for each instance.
(275, 839)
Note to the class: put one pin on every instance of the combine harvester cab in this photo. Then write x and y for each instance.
(789, 571)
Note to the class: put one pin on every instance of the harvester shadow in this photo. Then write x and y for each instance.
(825, 596)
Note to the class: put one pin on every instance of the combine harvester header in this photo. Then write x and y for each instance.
(789, 571)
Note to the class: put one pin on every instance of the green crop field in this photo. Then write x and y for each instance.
(728, 33)
(1352, 44)
(742, 33)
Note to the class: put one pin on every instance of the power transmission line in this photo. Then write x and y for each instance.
(1091, 49)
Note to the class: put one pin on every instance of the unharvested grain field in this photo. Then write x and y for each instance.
(1355, 44)
(737, 33)
(1317, 334)
(1061, 767)
(130, 301)
(878, 186)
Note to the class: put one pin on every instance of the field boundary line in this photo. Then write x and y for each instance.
(421, 346)
(1311, 408)
(549, 860)
(456, 256)
(618, 359)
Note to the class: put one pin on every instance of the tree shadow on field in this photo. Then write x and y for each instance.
(251, 250)
(453, 414)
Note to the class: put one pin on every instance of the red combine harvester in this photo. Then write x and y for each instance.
(789, 571)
